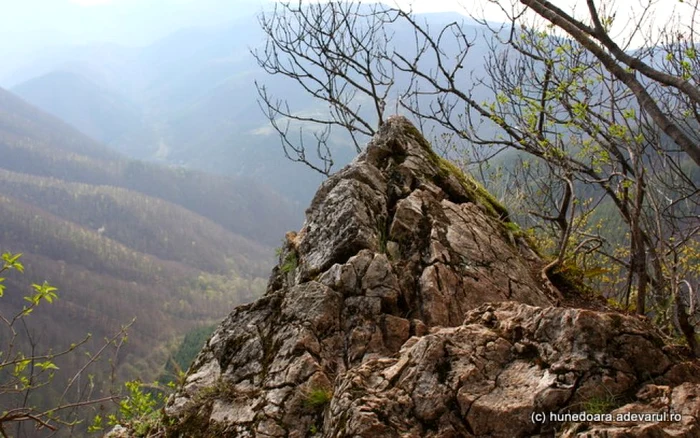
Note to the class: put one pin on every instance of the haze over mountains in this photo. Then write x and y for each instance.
(120, 238)
(101, 186)
(140, 177)
(186, 100)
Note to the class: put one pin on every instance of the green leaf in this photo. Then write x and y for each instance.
(43, 291)
(96, 425)
(48, 365)
(21, 366)
(11, 261)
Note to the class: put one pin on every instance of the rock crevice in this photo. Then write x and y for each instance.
(405, 306)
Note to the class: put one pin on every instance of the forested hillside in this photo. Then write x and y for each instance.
(36, 143)
(121, 239)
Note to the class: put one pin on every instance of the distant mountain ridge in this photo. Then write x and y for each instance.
(94, 110)
(195, 93)
(194, 100)
(122, 239)
(57, 150)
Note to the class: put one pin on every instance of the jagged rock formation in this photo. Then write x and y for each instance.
(409, 305)
(509, 361)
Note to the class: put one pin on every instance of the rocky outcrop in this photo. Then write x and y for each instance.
(409, 305)
(509, 364)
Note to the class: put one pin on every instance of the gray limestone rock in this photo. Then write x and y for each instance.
(405, 307)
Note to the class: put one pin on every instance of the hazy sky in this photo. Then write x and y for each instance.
(133, 22)
(138, 22)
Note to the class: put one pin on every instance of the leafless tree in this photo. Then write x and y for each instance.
(338, 53)
(554, 100)
(607, 142)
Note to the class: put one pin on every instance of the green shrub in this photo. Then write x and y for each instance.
(290, 263)
(139, 410)
(318, 397)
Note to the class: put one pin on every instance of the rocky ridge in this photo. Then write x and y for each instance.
(409, 305)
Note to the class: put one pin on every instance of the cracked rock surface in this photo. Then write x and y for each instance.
(508, 361)
(407, 306)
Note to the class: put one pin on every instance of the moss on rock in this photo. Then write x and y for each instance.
(475, 191)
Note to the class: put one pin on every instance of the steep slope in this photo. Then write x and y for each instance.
(408, 306)
(23, 126)
(146, 224)
(36, 143)
(122, 239)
